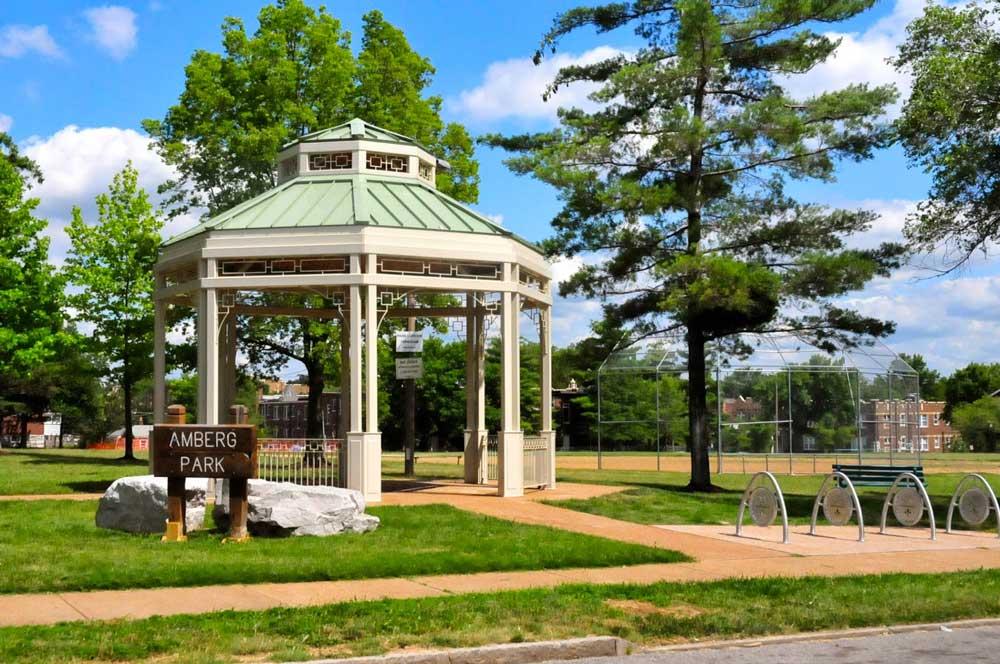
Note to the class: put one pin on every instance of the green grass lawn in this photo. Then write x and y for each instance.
(55, 546)
(661, 498)
(648, 615)
(63, 471)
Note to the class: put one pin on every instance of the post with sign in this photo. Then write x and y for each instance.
(176, 502)
(211, 451)
(409, 368)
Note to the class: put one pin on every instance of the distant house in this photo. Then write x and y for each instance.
(741, 409)
(32, 432)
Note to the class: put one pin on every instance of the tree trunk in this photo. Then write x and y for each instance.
(23, 421)
(314, 423)
(701, 474)
(127, 391)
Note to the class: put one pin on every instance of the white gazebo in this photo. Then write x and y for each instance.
(356, 218)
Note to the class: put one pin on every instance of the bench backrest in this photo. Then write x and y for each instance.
(871, 475)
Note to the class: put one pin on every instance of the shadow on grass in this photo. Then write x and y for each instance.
(94, 486)
(45, 458)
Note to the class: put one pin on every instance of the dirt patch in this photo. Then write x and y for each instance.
(640, 608)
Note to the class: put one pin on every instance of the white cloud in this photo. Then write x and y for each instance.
(862, 56)
(113, 28)
(6, 122)
(564, 268)
(79, 163)
(495, 218)
(18, 40)
(513, 88)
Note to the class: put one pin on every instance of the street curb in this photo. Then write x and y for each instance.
(507, 653)
(825, 636)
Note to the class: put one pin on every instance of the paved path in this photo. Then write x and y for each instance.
(959, 646)
(715, 558)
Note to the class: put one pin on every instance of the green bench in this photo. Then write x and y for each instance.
(862, 475)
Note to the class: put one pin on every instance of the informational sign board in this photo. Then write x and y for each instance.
(409, 342)
(198, 450)
(409, 367)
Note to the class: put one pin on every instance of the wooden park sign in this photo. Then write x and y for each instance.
(224, 451)
(200, 450)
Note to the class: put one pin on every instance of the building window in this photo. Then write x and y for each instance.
(923, 421)
(937, 419)
(289, 167)
(808, 443)
(923, 444)
(330, 161)
(393, 163)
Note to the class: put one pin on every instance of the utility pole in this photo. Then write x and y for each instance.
(410, 417)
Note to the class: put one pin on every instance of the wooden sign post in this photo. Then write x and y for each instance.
(225, 451)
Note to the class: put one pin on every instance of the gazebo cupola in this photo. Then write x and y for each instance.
(356, 218)
(358, 147)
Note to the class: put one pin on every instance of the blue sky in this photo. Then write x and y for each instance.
(78, 77)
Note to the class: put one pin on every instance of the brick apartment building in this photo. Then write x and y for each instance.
(896, 425)
(283, 415)
(741, 409)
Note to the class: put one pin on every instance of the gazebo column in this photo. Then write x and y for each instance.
(475, 393)
(545, 345)
(344, 412)
(208, 349)
(364, 445)
(227, 365)
(510, 448)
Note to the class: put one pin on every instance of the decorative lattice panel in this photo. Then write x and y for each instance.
(393, 163)
(330, 161)
(426, 172)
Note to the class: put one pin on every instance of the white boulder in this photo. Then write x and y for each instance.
(138, 504)
(283, 508)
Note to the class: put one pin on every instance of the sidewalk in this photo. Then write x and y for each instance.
(40, 609)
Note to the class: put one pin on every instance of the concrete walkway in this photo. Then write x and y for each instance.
(716, 556)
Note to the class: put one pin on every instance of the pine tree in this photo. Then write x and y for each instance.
(674, 188)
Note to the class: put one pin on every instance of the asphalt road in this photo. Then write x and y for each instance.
(980, 644)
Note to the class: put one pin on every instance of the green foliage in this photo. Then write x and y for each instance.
(970, 383)
(31, 290)
(676, 183)
(295, 74)
(950, 127)
(111, 265)
(979, 424)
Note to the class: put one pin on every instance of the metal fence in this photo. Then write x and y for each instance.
(306, 461)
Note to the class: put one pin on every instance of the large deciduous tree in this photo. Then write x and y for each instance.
(32, 330)
(294, 75)
(674, 188)
(950, 126)
(111, 263)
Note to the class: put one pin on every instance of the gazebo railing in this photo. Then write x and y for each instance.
(536, 460)
(492, 463)
(305, 461)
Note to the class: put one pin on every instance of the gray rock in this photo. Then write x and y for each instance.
(138, 504)
(285, 509)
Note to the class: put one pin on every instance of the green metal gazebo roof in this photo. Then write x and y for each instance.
(322, 201)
